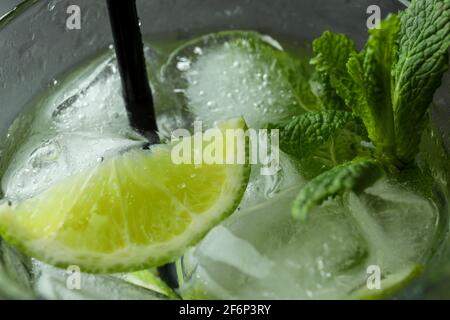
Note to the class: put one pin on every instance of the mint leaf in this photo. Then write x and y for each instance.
(300, 74)
(371, 71)
(322, 140)
(422, 60)
(305, 133)
(342, 147)
(356, 175)
(332, 84)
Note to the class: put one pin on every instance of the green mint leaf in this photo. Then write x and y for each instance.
(371, 72)
(356, 176)
(332, 84)
(341, 147)
(300, 73)
(322, 140)
(422, 61)
(306, 133)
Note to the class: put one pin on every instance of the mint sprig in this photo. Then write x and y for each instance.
(389, 85)
(322, 140)
(371, 97)
(331, 53)
(424, 41)
(354, 175)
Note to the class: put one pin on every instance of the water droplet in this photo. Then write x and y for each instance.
(100, 159)
(182, 186)
(111, 47)
(55, 82)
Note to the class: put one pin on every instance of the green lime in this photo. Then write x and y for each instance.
(131, 212)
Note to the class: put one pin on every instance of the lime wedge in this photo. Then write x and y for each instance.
(134, 211)
(149, 280)
(389, 285)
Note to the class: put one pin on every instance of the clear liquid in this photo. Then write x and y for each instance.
(263, 252)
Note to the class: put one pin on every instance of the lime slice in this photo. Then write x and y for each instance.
(131, 212)
(149, 280)
(389, 285)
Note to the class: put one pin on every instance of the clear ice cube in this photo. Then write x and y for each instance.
(260, 187)
(263, 253)
(40, 162)
(218, 79)
(60, 284)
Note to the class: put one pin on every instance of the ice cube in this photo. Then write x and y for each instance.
(263, 187)
(44, 160)
(98, 105)
(55, 283)
(226, 76)
(78, 123)
(401, 225)
(263, 253)
(289, 259)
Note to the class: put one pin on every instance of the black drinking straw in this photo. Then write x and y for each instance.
(130, 58)
(136, 90)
